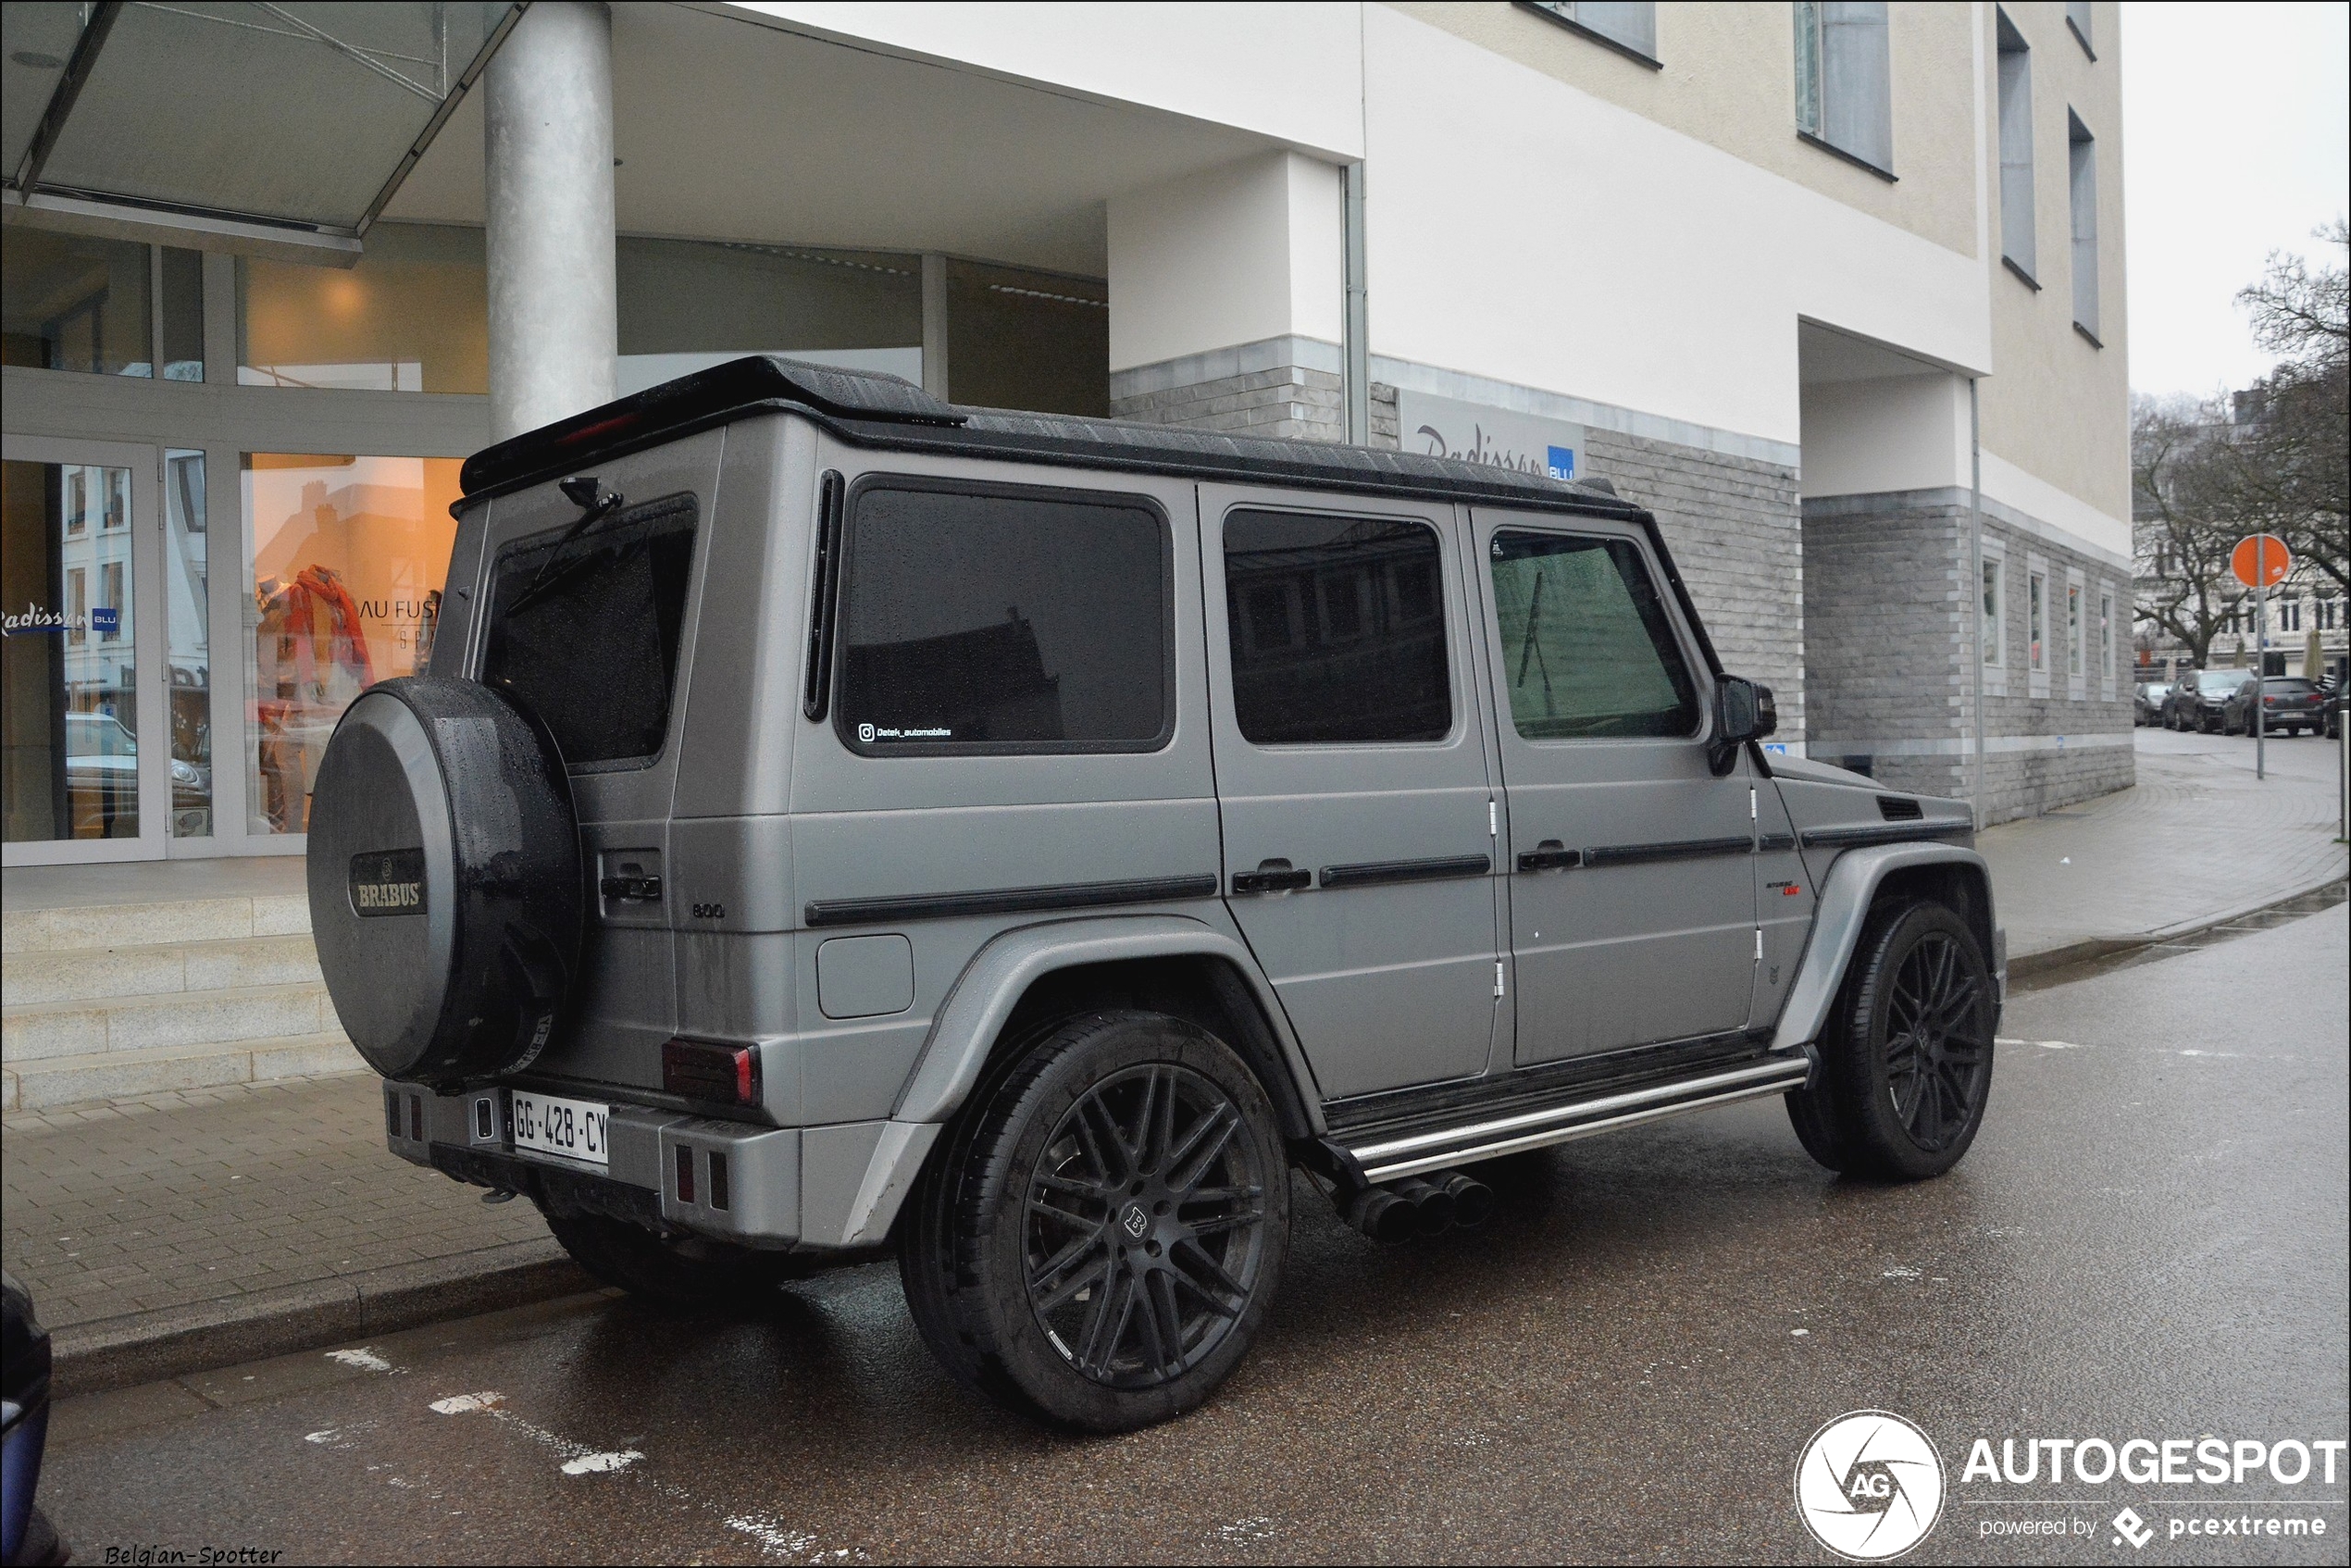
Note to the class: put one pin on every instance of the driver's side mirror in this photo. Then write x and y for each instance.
(1743, 712)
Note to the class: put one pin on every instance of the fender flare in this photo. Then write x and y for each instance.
(1845, 895)
(991, 985)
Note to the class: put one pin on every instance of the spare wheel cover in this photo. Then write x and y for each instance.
(445, 893)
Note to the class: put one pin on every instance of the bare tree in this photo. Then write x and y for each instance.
(2185, 506)
(2291, 460)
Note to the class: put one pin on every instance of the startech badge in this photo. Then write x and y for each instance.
(388, 882)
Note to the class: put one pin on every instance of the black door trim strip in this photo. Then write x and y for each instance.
(1008, 900)
(1774, 843)
(1375, 872)
(1883, 833)
(1687, 848)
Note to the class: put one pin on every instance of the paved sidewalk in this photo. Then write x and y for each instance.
(2198, 838)
(201, 1228)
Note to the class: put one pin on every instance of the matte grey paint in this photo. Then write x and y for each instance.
(763, 1179)
(864, 976)
(1851, 883)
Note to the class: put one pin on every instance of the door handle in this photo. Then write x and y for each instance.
(631, 890)
(1273, 876)
(1549, 855)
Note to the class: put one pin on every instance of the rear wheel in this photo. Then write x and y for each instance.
(1099, 1243)
(676, 1272)
(1906, 1059)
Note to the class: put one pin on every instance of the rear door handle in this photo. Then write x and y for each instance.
(1549, 855)
(1273, 876)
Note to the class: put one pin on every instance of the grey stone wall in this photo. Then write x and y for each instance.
(1283, 387)
(1889, 675)
(1737, 532)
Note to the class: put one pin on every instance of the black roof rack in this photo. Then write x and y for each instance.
(872, 409)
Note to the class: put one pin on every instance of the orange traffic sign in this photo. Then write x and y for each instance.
(2260, 560)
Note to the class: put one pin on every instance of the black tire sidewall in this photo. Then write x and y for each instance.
(1013, 1355)
(1875, 1138)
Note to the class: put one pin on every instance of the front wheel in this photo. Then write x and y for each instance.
(1906, 1059)
(1099, 1243)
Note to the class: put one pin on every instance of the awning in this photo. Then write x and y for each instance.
(281, 126)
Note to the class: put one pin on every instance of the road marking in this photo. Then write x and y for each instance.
(599, 1463)
(459, 1403)
(362, 1358)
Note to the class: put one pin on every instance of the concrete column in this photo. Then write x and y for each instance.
(1227, 300)
(554, 326)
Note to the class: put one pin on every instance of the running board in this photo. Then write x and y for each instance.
(1392, 1158)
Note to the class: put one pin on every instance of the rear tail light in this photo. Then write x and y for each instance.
(728, 1073)
(685, 1172)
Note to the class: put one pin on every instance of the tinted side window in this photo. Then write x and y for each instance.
(1587, 648)
(1337, 629)
(583, 630)
(1006, 622)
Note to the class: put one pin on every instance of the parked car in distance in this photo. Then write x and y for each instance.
(2290, 705)
(2146, 703)
(2197, 700)
(1024, 843)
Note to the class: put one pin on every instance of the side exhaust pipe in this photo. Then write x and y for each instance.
(1382, 1215)
(1472, 1200)
(1431, 1205)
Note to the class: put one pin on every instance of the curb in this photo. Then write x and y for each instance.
(119, 1352)
(2031, 964)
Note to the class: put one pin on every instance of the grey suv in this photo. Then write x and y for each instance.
(835, 822)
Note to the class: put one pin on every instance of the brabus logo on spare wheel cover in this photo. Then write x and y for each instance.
(1869, 1486)
(388, 882)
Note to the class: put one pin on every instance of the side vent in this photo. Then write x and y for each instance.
(1898, 808)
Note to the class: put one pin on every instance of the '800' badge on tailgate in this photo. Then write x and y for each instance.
(388, 882)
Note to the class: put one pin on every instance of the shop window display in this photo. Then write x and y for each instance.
(413, 316)
(346, 557)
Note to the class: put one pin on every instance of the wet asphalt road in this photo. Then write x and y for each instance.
(2148, 1240)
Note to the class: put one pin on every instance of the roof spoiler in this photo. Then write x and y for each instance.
(690, 402)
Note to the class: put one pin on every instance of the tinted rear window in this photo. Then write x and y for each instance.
(1338, 629)
(1006, 620)
(583, 630)
(2287, 687)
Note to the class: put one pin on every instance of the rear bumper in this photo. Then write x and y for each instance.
(813, 1188)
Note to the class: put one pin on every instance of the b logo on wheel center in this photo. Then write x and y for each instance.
(1134, 1222)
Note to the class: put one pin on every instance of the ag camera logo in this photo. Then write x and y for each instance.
(1869, 1486)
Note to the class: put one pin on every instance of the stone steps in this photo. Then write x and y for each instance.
(107, 1000)
(48, 1082)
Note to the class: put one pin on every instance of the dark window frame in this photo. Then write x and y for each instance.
(685, 500)
(845, 573)
(1437, 531)
(1694, 671)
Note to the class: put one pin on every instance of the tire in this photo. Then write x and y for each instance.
(1876, 1114)
(687, 1272)
(1051, 1258)
(447, 900)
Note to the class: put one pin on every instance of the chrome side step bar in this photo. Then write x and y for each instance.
(1561, 1124)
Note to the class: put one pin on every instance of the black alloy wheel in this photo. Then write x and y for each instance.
(1906, 1059)
(1935, 1050)
(1096, 1242)
(1144, 1227)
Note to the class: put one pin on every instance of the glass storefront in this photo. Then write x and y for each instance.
(188, 620)
(344, 558)
(68, 661)
(413, 316)
(1027, 340)
(686, 305)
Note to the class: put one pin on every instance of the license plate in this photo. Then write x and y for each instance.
(568, 1129)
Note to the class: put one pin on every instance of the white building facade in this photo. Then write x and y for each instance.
(1835, 288)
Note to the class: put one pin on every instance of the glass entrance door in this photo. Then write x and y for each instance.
(81, 679)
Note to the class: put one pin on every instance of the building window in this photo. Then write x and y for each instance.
(71, 302)
(1844, 80)
(413, 316)
(2083, 188)
(2035, 621)
(2106, 635)
(344, 560)
(2072, 629)
(2016, 152)
(1027, 340)
(1994, 632)
(2289, 616)
(1630, 29)
(2077, 19)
